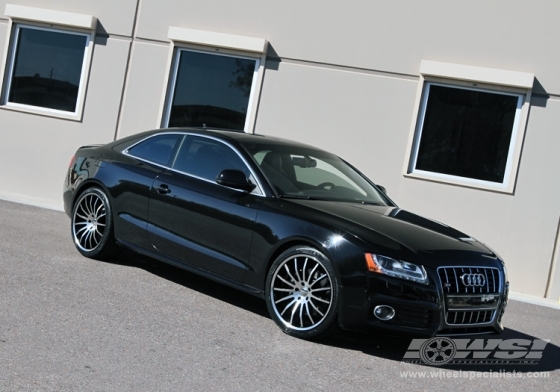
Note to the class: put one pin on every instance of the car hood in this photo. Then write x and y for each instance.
(400, 233)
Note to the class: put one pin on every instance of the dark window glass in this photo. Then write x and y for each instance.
(206, 158)
(303, 172)
(211, 90)
(467, 133)
(157, 149)
(47, 69)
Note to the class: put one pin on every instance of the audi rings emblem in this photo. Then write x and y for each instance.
(473, 280)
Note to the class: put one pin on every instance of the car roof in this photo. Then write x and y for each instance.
(228, 135)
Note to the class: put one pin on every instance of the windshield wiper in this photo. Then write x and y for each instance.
(300, 197)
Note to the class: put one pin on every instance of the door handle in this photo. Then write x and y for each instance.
(163, 189)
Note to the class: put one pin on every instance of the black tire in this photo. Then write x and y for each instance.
(302, 293)
(92, 225)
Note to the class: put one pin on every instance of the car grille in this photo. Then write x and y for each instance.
(464, 280)
(471, 295)
(470, 317)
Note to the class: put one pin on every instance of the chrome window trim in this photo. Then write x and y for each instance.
(259, 185)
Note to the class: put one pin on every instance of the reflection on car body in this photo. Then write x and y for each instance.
(293, 224)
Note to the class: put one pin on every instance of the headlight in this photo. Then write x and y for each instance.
(397, 268)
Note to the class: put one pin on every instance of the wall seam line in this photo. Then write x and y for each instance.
(127, 70)
(552, 268)
(345, 68)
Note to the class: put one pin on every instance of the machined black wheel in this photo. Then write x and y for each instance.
(302, 293)
(92, 229)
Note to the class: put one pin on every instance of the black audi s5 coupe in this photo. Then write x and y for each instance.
(303, 229)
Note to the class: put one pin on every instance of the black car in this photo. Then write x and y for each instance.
(287, 222)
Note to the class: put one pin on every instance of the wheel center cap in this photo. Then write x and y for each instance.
(91, 222)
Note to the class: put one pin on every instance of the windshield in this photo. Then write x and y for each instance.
(300, 172)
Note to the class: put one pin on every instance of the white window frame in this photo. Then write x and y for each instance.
(46, 20)
(478, 79)
(218, 44)
(175, 70)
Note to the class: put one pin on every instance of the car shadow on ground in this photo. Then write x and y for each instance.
(380, 345)
(194, 282)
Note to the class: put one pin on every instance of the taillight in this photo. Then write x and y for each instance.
(72, 161)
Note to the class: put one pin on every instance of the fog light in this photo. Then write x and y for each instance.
(384, 312)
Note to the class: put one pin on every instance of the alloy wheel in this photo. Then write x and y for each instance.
(301, 292)
(89, 221)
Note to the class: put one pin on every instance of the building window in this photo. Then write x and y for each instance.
(466, 132)
(210, 90)
(469, 125)
(46, 69)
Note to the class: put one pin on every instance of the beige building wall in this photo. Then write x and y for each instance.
(35, 149)
(340, 75)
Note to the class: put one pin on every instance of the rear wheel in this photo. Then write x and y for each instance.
(302, 293)
(92, 225)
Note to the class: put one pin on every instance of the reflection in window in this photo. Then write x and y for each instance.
(47, 68)
(211, 91)
(206, 158)
(307, 173)
(466, 132)
(157, 149)
(322, 172)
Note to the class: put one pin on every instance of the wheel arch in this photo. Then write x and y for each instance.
(84, 186)
(298, 241)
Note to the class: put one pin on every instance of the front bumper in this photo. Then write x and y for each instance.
(421, 310)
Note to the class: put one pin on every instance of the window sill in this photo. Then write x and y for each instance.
(461, 181)
(42, 112)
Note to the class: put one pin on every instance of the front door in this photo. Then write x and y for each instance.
(196, 221)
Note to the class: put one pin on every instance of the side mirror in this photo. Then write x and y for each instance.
(381, 188)
(235, 179)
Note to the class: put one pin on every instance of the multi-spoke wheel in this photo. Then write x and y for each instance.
(302, 292)
(92, 225)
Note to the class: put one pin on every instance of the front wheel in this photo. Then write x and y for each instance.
(302, 293)
(92, 225)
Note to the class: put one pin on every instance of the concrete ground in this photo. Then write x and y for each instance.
(69, 323)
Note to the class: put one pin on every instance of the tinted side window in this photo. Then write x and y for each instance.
(157, 149)
(206, 158)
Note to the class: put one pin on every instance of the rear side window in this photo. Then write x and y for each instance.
(158, 149)
(206, 158)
